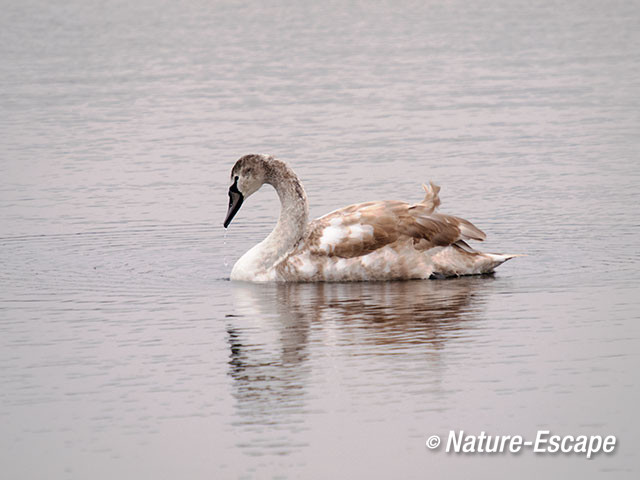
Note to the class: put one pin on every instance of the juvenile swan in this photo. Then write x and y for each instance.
(384, 240)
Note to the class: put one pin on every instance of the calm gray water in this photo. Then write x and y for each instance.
(125, 352)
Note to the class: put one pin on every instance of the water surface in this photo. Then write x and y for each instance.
(125, 350)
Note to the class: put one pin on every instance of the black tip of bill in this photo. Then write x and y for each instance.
(235, 202)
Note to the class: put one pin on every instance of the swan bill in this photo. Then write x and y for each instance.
(235, 202)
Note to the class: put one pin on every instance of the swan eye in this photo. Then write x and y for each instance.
(234, 187)
(248, 172)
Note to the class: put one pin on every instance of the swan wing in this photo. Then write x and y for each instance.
(363, 228)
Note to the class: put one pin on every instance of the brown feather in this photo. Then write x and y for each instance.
(390, 221)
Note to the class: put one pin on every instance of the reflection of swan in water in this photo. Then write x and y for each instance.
(277, 327)
(395, 313)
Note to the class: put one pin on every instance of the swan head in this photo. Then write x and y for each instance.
(247, 176)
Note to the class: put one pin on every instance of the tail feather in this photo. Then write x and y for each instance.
(462, 260)
(503, 257)
(497, 259)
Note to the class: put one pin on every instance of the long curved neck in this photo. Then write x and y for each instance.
(257, 263)
(294, 210)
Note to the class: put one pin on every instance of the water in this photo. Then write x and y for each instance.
(125, 352)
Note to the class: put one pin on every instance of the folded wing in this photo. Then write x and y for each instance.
(360, 229)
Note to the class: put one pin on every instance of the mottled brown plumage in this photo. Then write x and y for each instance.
(381, 240)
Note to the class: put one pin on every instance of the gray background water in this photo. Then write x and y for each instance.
(126, 353)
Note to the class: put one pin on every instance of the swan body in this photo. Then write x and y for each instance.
(373, 241)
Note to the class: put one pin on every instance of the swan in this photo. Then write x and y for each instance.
(373, 241)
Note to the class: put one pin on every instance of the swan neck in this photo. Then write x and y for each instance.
(294, 211)
(257, 263)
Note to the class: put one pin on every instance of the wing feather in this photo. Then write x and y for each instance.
(363, 228)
